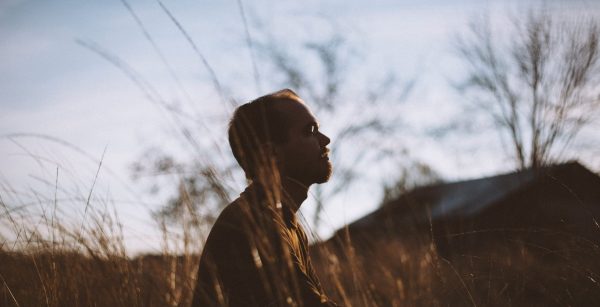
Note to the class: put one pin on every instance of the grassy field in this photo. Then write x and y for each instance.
(548, 270)
(91, 268)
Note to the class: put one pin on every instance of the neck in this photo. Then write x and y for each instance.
(296, 190)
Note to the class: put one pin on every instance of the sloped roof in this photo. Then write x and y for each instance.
(467, 198)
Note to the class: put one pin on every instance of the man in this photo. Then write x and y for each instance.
(256, 253)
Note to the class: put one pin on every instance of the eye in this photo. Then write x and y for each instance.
(312, 129)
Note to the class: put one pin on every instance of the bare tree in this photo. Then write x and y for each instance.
(539, 84)
(414, 175)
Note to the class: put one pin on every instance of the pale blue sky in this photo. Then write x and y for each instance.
(51, 85)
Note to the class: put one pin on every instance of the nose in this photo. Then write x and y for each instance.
(323, 139)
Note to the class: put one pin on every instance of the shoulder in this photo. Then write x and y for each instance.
(242, 221)
(227, 233)
(232, 217)
(241, 215)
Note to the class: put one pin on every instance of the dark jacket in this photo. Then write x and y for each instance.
(257, 255)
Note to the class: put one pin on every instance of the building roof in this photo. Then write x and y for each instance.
(468, 198)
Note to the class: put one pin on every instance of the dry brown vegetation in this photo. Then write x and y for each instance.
(91, 268)
(387, 271)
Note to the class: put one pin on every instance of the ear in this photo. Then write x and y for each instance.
(277, 152)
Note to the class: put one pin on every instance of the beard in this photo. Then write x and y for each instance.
(325, 171)
(317, 170)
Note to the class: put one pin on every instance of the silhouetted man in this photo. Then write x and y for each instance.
(256, 253)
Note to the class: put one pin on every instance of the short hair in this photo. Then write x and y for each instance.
(254, 126)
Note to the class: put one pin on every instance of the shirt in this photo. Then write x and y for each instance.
(256, 254)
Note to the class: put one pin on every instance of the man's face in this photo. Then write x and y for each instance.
(304, 156)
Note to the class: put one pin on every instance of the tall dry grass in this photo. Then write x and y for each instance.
(548, 269)
(55, 262)
(49, 258)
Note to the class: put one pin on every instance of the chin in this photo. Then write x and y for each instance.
(325, 174)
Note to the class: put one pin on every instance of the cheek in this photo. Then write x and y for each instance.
(302, 150)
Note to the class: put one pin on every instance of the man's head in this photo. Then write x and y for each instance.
(278, 130)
